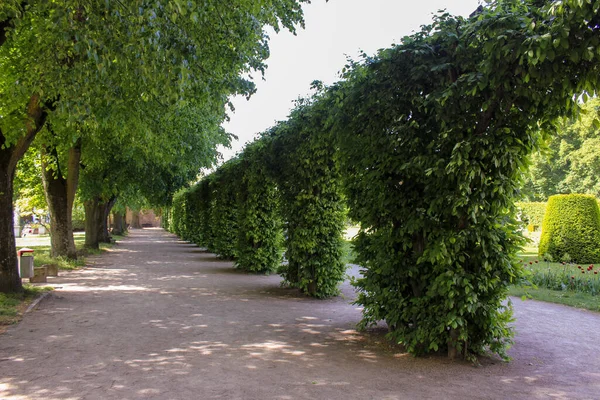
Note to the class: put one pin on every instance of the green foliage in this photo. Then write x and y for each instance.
(308, 177)
(532, 213)
(433, 138)
(569, 163)
(178, 216)
(224, 212)
(571, 226)
(435, 134)
(260, 234)
(289, 175)
(145, 85)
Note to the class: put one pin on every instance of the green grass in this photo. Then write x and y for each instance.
(41, 245)
(568, 298)
(12, 305)
(559, 282)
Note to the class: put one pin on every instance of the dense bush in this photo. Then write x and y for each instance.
(431, 141)
(312, 205)
(571, 226)
(224, 212)
(532, 213)
(260, 236)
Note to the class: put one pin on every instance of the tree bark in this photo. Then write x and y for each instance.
(118, 226)
(9, 275)
(60, 195)
(96, 221)
(135, 220)
(105, 235)
(10, 154)
(94, 211)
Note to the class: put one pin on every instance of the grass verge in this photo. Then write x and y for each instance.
(41, 245)
(564, 283)
(568, 298)
(12, 306)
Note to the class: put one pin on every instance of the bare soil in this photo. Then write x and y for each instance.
(158, 318)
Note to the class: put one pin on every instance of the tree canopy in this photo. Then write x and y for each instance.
(570, 162)
(158, 73)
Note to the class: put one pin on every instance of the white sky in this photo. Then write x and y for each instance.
(333, 30)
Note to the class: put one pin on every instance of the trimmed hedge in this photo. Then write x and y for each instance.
(224, 218)
(571, 226)
(532, 213)
(260, 235)
(312, 203)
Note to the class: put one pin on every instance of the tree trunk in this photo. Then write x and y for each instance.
(96, 221)
(60, 195)
(105, 235)
(135, 220)
(118, 227)
(94, 211)
(9, 275)
(452, 344)
(9, 157)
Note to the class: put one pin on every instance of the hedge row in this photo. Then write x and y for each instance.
(428, 141)
(532, 213)
(285, 185)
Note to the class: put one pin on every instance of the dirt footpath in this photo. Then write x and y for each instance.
(157, 318)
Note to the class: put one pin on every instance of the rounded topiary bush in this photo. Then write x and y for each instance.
(571, 226)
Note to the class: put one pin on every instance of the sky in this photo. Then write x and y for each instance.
(333, 30)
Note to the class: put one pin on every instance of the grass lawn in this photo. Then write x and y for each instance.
(41, 245)
(570, 284)
(565, 297)
(12, 306)
(553, 282)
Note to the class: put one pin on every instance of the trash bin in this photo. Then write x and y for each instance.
(25, 262)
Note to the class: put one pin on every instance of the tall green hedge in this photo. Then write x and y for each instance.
(224, 217)
(571, 226)
(260, 236)
(431, 141)
(311, 200)
(532, 213)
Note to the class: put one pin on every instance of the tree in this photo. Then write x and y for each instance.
(83, 60)
(435, 135)
(570, 162)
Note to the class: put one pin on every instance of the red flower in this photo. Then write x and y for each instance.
(536, 261)
(572, 277)
(582, 271)
(530, 263)
(579, 266)
(595, 272)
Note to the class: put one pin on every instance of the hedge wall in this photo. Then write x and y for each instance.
(532, 213)
(431, 139)
(312, 205)
(260, 235)
(224, 212)
(571, 226)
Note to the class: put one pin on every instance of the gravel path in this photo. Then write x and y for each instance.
(157, 318)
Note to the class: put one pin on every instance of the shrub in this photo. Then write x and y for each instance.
(571, 225)
(260, 235)
(312, 204)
